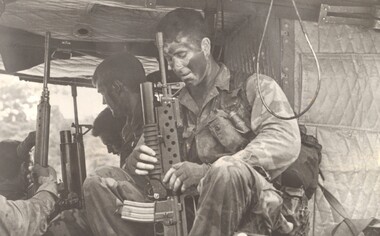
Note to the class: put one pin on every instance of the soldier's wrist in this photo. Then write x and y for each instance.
(206, 166)
(50, 187)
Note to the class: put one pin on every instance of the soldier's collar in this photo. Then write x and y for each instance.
(222, 80)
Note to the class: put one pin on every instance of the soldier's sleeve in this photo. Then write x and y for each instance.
(26, 217)
(278, 141)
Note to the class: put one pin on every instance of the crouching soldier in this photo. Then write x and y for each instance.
(18, 215)
(234, 145)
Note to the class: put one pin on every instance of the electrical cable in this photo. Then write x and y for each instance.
(314, 56)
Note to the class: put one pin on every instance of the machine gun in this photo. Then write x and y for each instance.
(161, 126)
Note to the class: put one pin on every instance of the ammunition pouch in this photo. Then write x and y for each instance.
(225, 132)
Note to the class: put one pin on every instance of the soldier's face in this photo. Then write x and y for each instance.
(112, 145)
(111, 97)
(187, 60)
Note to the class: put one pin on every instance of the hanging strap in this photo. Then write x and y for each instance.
(339, 208)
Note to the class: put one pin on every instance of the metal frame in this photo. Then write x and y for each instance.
(367, 16)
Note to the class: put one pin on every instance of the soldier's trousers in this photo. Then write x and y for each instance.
(71, 222)
(233, 197)
(104, 192)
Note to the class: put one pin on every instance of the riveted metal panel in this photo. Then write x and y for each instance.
(287, 59)
(301, 46)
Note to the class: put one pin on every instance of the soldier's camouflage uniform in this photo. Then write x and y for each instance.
(233, 194)
(72, 222)
(27, 217)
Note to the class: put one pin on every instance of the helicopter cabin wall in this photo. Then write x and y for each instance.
(241, 46)
(345, 116)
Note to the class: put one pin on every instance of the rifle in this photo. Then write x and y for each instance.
(72, 150)
(73, 164)
(161, 133)
(41, 150)
(70, 189)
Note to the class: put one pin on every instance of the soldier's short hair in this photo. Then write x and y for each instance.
(183, 22)
(105, 125)
(123, 67)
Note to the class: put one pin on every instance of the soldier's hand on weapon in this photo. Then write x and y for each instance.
(46, 178)
(142, 160)
(26, 145)
(44, 174)
(184, 175)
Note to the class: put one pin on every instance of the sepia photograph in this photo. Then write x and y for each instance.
(190, 118)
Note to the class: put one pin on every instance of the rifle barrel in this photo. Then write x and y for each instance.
(146, 90)
(47, 60)
(43, 113)
(161, 60)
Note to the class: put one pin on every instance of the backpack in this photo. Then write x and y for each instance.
(299, 182)
(305, 170)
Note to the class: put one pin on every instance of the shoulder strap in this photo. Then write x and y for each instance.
(339, 208)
